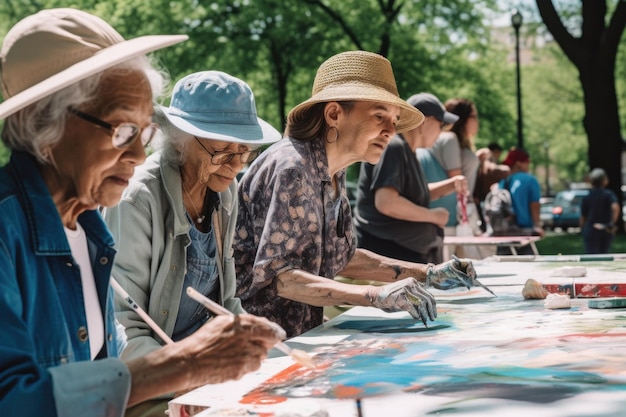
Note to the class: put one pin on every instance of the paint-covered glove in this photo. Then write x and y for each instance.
(407, 294)
(452, 274)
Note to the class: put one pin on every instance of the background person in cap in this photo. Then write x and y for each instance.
(175, 222)
(294, 229)
(454, 150)
(392, 215)
(77, 110)
(599, 212)
(525, 194)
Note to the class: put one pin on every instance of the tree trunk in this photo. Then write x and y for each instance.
(601, 122)
(594, 54)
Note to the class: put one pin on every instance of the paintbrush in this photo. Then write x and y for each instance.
(297, 355)
(155, 327)
(475, 280)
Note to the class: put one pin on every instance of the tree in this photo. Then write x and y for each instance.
(440, 46)
(592, 47)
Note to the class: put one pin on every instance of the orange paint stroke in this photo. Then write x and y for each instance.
(345, 391)
(285, 375)
(261, 398)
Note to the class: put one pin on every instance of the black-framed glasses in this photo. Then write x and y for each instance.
(221, 158)
(122, 135)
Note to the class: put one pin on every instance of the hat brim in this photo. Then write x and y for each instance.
(410, 117)
(262, 134)
(101, 61)
(449, 118)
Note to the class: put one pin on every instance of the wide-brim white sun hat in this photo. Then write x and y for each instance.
(359, 76)
(216, 105)
(55, 48)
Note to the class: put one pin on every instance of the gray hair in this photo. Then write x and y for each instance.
(172, 142)
(40, 126)
(597, 176)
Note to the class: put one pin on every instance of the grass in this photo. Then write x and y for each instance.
(572, 244)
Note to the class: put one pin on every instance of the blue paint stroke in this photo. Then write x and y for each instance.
(389, 326)
(373, 369)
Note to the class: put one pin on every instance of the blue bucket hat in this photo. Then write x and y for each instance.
(215, 105)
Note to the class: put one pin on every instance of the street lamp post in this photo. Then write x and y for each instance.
(516, 21)
(546, 147)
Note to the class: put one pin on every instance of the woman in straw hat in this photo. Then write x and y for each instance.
(77, 110)
(175, 223)
(294, 224)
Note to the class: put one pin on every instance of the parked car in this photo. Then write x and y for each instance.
(566, 209)
(545, 212)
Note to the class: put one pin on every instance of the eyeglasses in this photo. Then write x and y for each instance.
(122, 135)
(221, 158)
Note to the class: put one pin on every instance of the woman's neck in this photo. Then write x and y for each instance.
(64, 196)
(337, 158)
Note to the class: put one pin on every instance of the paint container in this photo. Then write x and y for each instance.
(608, 303)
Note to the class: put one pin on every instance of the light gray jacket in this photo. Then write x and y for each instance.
(151, 235)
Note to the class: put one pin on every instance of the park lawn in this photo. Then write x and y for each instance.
(572, 244)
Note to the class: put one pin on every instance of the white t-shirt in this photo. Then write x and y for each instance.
(448, 152)
(95, 324)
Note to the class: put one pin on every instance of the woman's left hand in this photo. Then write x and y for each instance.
(460, 184)
(452, 274)
(407, 294)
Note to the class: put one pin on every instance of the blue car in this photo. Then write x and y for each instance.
(566, 208)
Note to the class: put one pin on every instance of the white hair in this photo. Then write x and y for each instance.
(38, 127)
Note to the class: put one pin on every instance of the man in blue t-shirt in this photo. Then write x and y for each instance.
(525, 193)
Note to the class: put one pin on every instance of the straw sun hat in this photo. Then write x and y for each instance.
(55, 48)
(359, 76)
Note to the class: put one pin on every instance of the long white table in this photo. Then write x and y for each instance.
(511, 242)
(483, 355)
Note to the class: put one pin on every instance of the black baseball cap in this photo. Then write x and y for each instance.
(431, 106)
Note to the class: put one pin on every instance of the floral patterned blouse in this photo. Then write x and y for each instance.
(288, 219)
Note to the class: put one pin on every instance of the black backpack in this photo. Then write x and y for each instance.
(499, 213)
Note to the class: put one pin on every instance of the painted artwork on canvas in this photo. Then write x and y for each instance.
(504, 349)
(483, 355)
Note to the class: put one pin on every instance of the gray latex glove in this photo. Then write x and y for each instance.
(407, 294)
(452, 274)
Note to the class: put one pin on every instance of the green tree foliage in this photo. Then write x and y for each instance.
(441, 46)
(590, 33)
(553, 109)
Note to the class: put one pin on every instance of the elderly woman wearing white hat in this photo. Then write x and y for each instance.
(175, 223)
(295, 227)
(78, 109)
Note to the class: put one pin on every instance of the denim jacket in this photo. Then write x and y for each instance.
(45, 365)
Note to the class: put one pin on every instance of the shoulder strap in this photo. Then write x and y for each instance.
(217, 230)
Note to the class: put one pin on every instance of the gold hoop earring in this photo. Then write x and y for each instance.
(336, 134)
